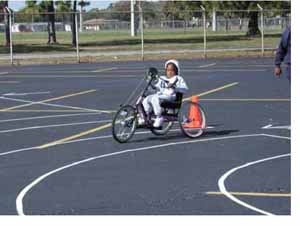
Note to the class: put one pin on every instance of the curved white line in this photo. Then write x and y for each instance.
(233, 198)
(47, 116)
(21, 195)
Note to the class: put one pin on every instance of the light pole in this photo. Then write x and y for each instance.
(10, 34)
(262, 29)
(132, 4)
(204, 30)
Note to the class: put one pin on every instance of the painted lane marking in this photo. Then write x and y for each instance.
(75, 136)
(249, 100)
(51, 110)
(207, 65)
(223, 190)
(255, 194)
(48, 100)
(56, 105)
(276, 136)
(9, 82)
(47, 116)
(225, 70)
(52, 126)
(25, 94)
(213, 90)
(105, 69)
(270, 126)
(24, 191)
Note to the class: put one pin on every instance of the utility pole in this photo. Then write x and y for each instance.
(133, 30)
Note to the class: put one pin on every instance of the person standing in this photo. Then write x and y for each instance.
(283, 54)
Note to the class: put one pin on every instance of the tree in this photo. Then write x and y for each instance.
(3, 9)
(31, 8)
(63, 8)
(47, 7)
(248, 9)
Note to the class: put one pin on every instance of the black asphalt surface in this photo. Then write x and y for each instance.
(170, 174)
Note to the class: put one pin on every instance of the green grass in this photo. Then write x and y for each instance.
(121, 41)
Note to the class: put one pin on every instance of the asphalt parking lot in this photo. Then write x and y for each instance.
(57, 155)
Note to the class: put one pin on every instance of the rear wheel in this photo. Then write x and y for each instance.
(124, 124)
(192, 119)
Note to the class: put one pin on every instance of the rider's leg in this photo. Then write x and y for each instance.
(155, 101)
(147, 104)
(147, 108)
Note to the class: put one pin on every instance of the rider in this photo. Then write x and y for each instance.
(167, 87)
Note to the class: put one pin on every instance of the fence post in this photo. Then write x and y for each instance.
(204, 30)
(10, 35)
(77, 39)
(262, 29)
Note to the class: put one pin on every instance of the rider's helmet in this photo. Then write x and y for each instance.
(175, 63)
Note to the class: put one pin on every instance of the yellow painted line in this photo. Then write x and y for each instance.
(249, 100)
(213, 90)
(105, 69)
(9, 82)
(257, 194)
(75, 136)
(48, 100)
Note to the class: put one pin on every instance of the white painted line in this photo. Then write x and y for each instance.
(228, 70)
(25, 94)
(221, 183)
(104, 69)
(207, 65)
(53, 126)
(3, 73)
(24, 191)
(54, 105)
(270, 126)
(48, 116)
(267, 126)
(276, 136)
(18, 150)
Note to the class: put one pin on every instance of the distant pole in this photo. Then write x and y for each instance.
(214, 20)
(132, 3)
(77, 39)
(142, 29)
(10, 36)
(80, 19)
(204, 30)
(262, 29)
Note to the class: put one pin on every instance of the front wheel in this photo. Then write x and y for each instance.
(192, 119)
(124, 124)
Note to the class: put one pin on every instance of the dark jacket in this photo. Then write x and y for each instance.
(283, 52)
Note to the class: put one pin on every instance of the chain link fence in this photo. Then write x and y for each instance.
(111, 34)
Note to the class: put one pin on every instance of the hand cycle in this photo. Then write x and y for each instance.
(126, 121)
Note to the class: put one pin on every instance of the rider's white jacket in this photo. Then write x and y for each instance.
(177, 84)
